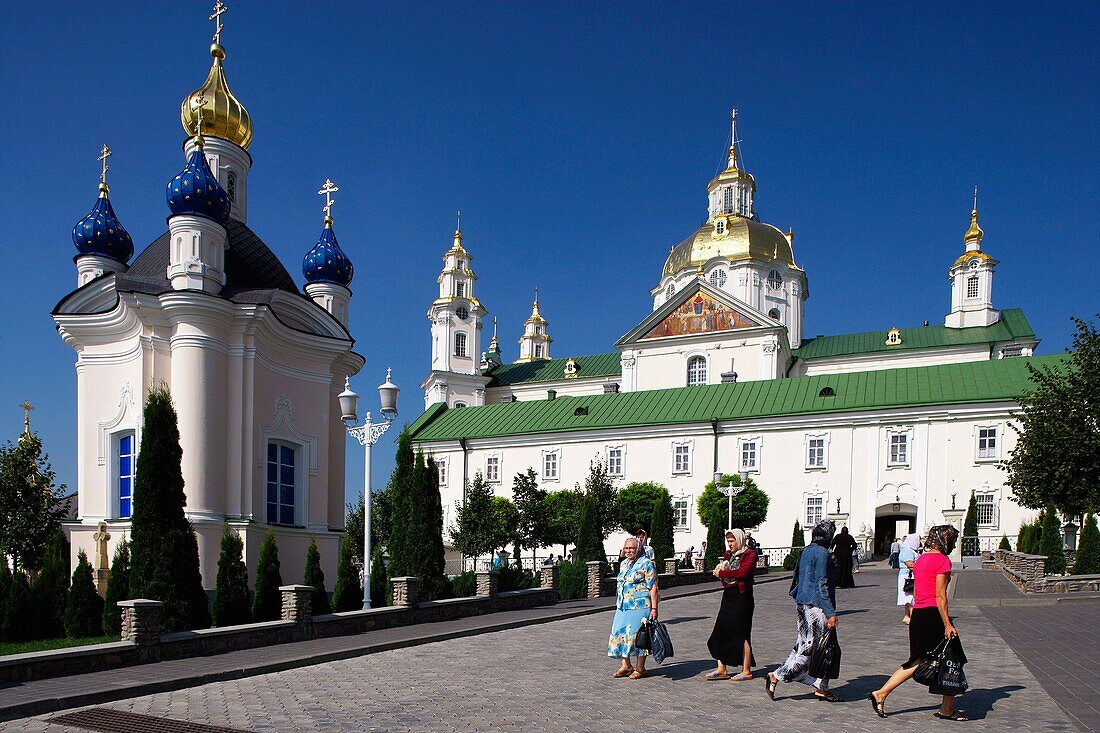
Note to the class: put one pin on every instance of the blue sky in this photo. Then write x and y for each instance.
(577, 139)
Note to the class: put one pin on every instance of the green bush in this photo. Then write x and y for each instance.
(1051, 543)
(315, 577)
(970, 528)
(1088, 549)
(50, 590)
(231, 606)
(347, 594)
(267, 601)
(790, 562)
(5, 585)
(661, 537)
(464, 585)
(634, 505)
(512, 578)
(118, 589)
(1005, 544)
(380, 581)
(716, 546)
(572, 580)
(798, 543)
(84, 607)
(590, 545)
(18, 611)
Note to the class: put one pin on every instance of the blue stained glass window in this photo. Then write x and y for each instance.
(125, 486)
(280, 483)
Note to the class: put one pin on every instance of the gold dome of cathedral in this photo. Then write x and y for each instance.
(741, 239)
(223, 116)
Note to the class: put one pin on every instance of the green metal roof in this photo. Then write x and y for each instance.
(1011, 325)
(998, 380)
(552, 370)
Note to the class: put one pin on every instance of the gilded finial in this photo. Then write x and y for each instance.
(733, 138)
(27, 407)
(197, 103)
(104, 189)
(219, 9)
(974, 234)
(327, 190)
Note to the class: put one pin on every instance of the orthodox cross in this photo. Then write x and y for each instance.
(327, 190)
(219, 8)
(458, 226)
(975, 198)
(27, 407)
(733, 136)
(103, 155)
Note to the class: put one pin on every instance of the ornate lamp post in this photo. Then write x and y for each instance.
(730, 492)
(368, 434)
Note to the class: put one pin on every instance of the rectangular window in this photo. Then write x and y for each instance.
(681, 509)
(538, 351)
(550, 465)
(280, 484)
(899, 449)
(492, 468)
(442, 466)
(615, 461)
(460, 290)
(682, 459)
(127, 463)
(815, 453)
(815, 507)
(972, 286)
(727, 200)
(987, 443)
(748, 455)
(987, 514)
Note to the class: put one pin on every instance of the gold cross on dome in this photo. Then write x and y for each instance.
(219, 8)
(27, 407)
(975, 198)
(103, 155)
(327, 190)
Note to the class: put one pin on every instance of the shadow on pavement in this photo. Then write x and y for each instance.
(681, 670)
(683, 619)
(977, 703)
(860, 687)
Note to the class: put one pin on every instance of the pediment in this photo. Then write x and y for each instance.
(698, 309)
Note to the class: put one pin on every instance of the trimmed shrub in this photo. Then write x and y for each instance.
(661, 537)
(1051, 544)
(50, 591)
(267, 602)
(315, 577)
(1005, 544)
(118, 589)
(464, 585)
(573, 580)
(512, 578)
(716, 545)
(380, 580)
(18, 612)
(347, 594)
(231, 606)
(1088, 549)
(84, 607)
(798, 543)
(970, 528)
(589, 537)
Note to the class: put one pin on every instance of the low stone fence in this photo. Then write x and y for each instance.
(673, 577)
(142, 641)
(1069, 584)
(1027, 572)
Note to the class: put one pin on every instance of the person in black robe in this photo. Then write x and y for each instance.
(843, 547)
(731, 640)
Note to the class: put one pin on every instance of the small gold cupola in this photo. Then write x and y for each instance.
(974, 234)
(223, 116)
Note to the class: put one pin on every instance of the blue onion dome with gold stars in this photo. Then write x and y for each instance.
(195, 190)
(100, 232)
(326, 262)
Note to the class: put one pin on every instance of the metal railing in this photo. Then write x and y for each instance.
(978, 545)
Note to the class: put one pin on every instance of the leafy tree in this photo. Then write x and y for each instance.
(50, 590)
(31, 507)
(315, 577)
(634, 505)
(379, 580)
(750, 507)
(1088, 549)
(1056, 460)
(970, 528)
(18, 612)
(470, 532)
(164, 561)
(1005, 544)
(1051, 544)
(381, 520)
(267, 601)
(533, 528)
(599, 485)
(400, 488)
(589, 537)
(231, 607)
(5, 585)
(118, 589)
(798, 543)
(563, 510)
(347, 594)
(661, 537)
(503, 521)
(84, 607)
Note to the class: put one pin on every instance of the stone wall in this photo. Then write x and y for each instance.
(1026, 571)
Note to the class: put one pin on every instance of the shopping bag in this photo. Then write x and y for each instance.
(951, 680)
(642, 638)
(929, 669)
(661, 643)
(825, 656)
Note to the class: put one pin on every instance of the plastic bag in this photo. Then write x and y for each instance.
(642, 638)
(660, 647)
(951, 680)
(825, 656)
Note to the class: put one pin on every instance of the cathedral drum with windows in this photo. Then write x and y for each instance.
(885, 431)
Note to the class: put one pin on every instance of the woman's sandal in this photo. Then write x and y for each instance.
(741, 677)
(957, 715)
(637, 674)
(620, 673)
(826, 696)
(879, 706)
(712, 676)
(769, 686)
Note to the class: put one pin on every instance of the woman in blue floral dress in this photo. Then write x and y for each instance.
(636, 598)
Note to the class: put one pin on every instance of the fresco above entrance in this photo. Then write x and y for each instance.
(699, 314)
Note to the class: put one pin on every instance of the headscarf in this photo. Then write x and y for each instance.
(823, 532)
(942, 537)
(912, 541)
(735, 556)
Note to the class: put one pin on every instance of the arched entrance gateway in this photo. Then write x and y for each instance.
(893, 520)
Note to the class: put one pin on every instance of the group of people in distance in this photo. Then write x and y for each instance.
(814, 594)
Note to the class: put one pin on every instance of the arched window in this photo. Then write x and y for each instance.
(670, 291)
(697, 370)
(972, 286)
(774, 313)
(460, 404)
(718, 278)
(460, 344)
(775, 280)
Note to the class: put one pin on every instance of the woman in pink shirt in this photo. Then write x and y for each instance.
(930, 623)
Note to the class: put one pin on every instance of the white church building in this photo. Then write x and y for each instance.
(254, 366)
(885, 431)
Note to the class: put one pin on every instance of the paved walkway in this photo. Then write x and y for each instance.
(555, 677)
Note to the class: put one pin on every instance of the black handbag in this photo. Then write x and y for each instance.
(951, 680)
(908, 585)
(929, 669)
(643, 639)
(825, 656)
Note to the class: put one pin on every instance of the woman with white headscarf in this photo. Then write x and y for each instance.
(907, 557)
(731, 640)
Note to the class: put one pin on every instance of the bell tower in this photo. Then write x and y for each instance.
(971, 278)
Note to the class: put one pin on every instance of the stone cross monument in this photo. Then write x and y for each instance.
(102, 562)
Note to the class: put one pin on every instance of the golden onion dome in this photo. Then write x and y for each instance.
(730, 175)
(974, 234)
(744, 239)
(223, 116)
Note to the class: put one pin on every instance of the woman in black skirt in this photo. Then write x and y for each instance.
(930, 623)
(731, 641)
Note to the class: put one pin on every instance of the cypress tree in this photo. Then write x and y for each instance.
(50, 590)
(589, 537)
(798, 544)
(1088, 549)
(164, 563)
(347, 595)
(315, 577)
(84, 607)
(423, 540)
(400, 488)
(1005, 544)
(661, 531)
(379, 580)
(1050, 543)
(716, 545)
(18, 612)
(267, 601)
(5, 585)
(970, 528)
(231, 606)
(118, 589)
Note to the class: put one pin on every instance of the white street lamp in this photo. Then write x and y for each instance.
(730, 492)
(368, 434)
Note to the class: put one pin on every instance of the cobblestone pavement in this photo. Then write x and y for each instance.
(555, 677)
